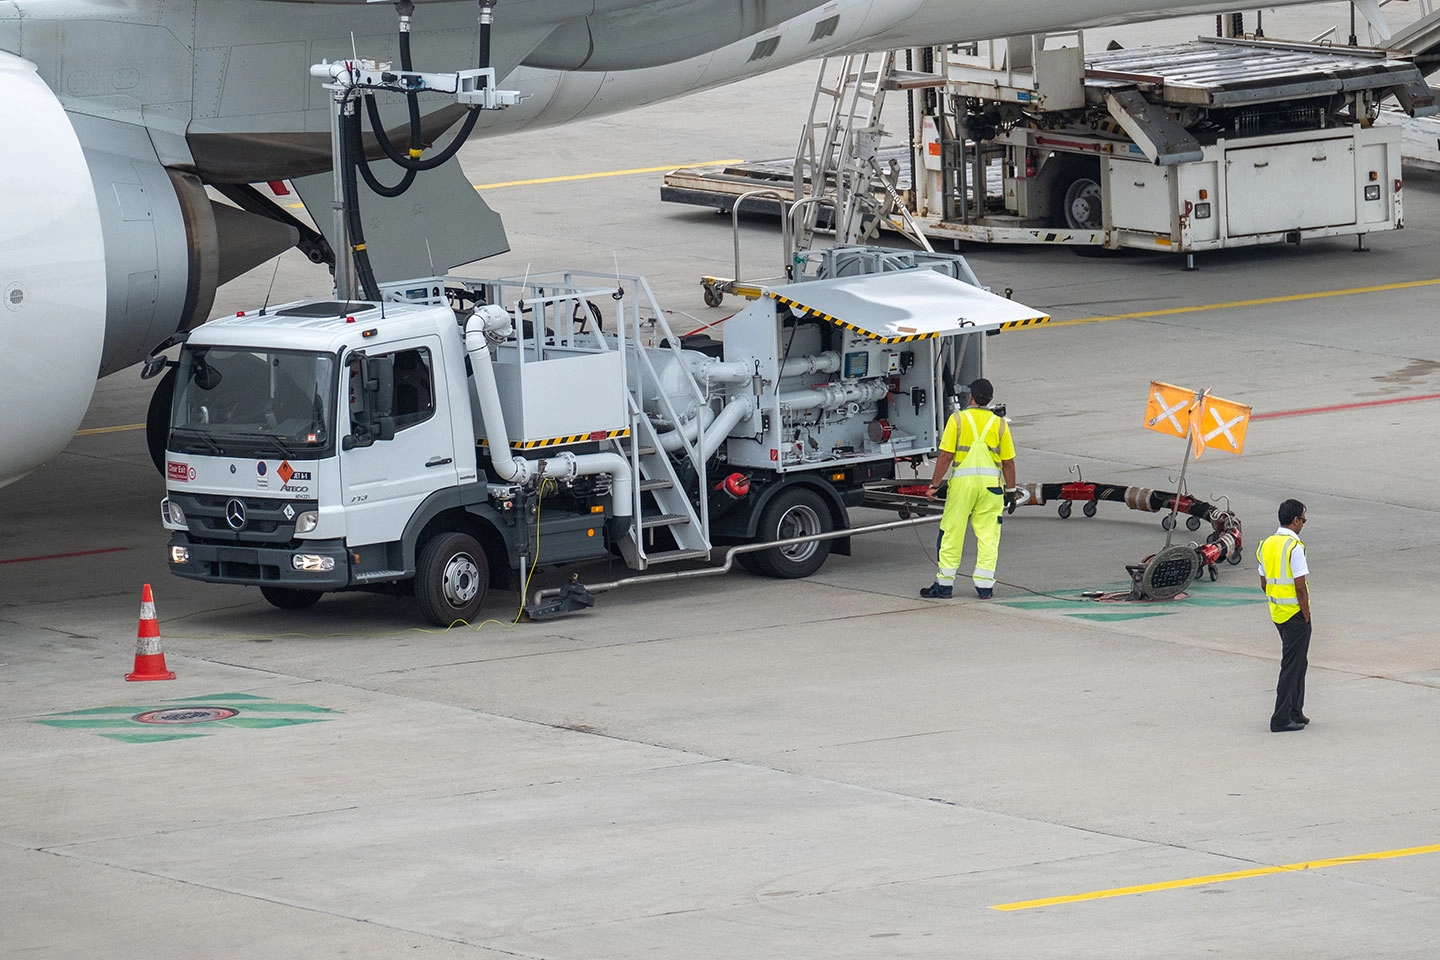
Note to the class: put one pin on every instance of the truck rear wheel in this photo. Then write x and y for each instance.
(451, 577)
(793, 512)
(288, 598)
(1078, 202)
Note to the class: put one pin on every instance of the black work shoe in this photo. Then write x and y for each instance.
(1292, 725)
(937, 591)
(1299, 718)
(984, 593)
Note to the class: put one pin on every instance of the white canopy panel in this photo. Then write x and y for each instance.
(905, 305)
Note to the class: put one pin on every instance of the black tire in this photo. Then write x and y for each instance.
(713, 297)
(288, 598)
(1192, 523)
(793, 512)
(451, 577)
(1089, 509)
(1167, 523)
(1077, 202)
(1063, 509)
(157, 420)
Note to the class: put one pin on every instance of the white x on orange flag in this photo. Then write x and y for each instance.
(1168, 410)
(1220, 424)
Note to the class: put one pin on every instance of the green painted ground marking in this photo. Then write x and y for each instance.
(249, 713)
(1198, 594)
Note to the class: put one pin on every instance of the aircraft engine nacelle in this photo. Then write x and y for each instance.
(104, 252)
(52, 274)
(161, 248)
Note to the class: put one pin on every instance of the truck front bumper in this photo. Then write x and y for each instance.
(321, 564)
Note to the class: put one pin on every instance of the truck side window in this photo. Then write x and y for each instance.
(414, 388)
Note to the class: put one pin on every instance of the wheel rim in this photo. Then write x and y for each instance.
(1082, 205)
(461, 581)
(800, 520)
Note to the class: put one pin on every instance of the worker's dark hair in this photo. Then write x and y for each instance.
(982, 391)
(1289, 510)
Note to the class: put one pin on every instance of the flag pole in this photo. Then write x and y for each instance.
(1180, 484)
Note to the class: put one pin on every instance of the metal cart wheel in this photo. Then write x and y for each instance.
(1064, 510)
(1088, 509)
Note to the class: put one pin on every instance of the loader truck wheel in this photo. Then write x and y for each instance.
(793, 512)
(1077, 201)
(288, 598)
(451, 576)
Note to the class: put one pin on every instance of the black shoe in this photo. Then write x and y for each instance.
(1299, 718)
(984, 593)
(938, 591)
(1292, 725)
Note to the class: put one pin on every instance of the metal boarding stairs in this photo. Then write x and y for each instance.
(837, 161)
(659, 501)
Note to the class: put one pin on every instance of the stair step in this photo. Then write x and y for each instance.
(663, 520)
(644, 451)
(657, 484)
(673, 556)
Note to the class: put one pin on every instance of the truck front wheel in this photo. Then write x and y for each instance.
(288, 598)
(451, 576)
(793, 512)
(1078, 202)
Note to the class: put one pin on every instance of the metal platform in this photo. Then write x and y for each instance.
(1219, 72)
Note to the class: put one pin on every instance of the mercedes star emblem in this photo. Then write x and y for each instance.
(235, 514)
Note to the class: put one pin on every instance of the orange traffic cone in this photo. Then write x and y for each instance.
(149, 660)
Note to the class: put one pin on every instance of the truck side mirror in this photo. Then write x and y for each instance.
(384, 428)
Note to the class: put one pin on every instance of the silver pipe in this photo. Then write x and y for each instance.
(494, 323)
(730, 555)
(718, 432)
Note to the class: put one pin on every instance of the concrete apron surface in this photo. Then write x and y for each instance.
(827, 768)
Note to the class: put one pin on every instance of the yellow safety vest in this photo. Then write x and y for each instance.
(1274, 556)
(979, 458)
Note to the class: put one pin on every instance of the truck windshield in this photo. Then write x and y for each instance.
(241, 402)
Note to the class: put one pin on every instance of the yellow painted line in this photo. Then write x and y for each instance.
(586, 176)
(607, 173)
(1408, 285)
(1217, 878)
(90, 431)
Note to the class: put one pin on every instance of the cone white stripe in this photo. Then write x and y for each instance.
(147, 610)
(147, 646)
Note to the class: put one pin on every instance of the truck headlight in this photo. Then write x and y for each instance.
(313, 562)
(307, 521)
(179, 554)
(170, 512)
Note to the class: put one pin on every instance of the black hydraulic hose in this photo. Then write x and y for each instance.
(412, 101)
(350, 155)
(414, 163)
(1137, 498)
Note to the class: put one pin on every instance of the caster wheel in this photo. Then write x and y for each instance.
(1167, 523)
(1064, 510)
(1193, 523)
(1088, 509)
(713, 297)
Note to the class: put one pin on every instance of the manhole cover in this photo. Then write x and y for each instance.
(186, 715)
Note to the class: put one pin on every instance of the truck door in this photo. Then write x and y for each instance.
(384, 480)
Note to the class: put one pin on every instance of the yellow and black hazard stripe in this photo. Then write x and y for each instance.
(811, 311)
(565, 441)
(1030, 322)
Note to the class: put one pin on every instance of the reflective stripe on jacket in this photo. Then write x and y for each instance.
(1274, 557)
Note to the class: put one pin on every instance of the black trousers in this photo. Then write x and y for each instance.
(1290, 691)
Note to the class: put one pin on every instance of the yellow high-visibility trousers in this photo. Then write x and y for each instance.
(980, 504)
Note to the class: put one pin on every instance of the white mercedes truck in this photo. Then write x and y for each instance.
(454, 435)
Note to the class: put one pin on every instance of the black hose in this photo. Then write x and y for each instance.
(351, 154)
(412, 162)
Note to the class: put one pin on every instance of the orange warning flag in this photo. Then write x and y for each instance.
(1220, 425)
(1168, 410)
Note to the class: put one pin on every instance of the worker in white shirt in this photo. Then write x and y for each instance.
(1284, 576)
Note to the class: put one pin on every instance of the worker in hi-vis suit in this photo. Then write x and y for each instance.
(977, 460)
